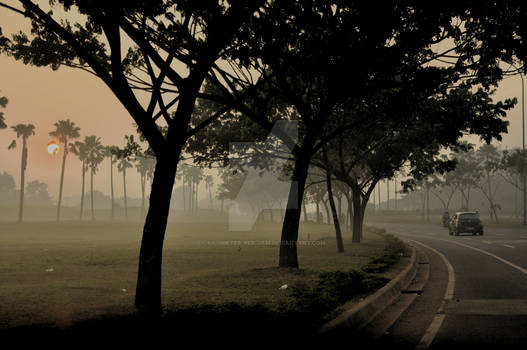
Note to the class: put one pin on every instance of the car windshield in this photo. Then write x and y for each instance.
(469, 216)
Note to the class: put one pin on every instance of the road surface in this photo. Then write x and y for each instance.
(487, 303)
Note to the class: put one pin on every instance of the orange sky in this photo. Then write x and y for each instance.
(41, 96)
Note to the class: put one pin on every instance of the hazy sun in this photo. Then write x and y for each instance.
(53, 148)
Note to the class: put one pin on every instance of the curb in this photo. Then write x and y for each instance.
(357, 315)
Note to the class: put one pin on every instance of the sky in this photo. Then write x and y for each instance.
(41, 96)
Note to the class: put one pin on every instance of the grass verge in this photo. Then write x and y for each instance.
(224, 287)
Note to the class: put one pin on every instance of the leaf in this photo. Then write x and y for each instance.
(12, 145)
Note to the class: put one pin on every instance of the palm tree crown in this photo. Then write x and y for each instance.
(65, 130)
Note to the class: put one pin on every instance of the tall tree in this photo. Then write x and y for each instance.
(111, 153)
(490, 160)
(80, 149)
(336, 219)
(144, 164)
(3, 104)
(95, 155)
(172, 47)
(124, 163)
(209, 182)
(23, 131)
(65, 131)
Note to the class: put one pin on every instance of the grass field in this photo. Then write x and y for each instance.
(62, 273)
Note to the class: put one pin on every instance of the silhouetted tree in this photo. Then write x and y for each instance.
(145, 165)
(80, 149)
(37, 192)
(65, 131)
(490, 160)
(164, 37)
(24, 131)
(112, 153)
(3, 104)
(209, 182)
(95, 155)
(7, 188)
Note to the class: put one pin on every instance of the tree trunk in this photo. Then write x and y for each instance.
(83, 189)
(350, 210)
(197, 189)
(318, 211)
(427, 204)
(305, 210)
(357, 216)
(423, 205)
(338, 232)
(91, 195)
(395, 193)
(22, 180)
(124, 190)
(289, 239)
(327, 212)
(148, 292)
(184, 197)
(62, 179)
(379, 191)
(387, 194)
(111, 186)
(339, 201)
(348, 216)
(143, 184)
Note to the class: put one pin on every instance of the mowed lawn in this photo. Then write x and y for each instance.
(59, 273)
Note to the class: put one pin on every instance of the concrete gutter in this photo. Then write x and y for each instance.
(357, 315)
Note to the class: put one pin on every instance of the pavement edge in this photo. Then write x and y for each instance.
(357, 315)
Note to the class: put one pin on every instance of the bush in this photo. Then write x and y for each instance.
(392, 253)
(332, 290)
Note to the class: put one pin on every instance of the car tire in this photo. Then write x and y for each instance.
(456, 233)
(481, 233)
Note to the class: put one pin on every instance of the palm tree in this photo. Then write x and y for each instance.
(65, 130)
(124, 163)
(112, 153)
(95, 155)
(80, 150)
(145, 165)
(24, 131)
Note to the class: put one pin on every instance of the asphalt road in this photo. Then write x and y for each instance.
(488, 301)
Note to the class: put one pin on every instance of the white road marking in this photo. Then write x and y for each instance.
(434, 326)
(487, 242)
(508, 246)
(521, 269)
(523, 236)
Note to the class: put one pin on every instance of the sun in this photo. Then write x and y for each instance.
(53, 148)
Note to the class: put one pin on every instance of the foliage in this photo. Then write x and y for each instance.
(514, 164)
(393, 251)
(65, 130)
(37, 193)
(3, 104)
(7, 188)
